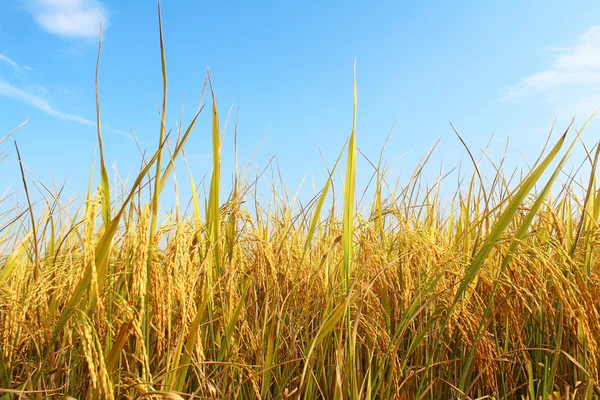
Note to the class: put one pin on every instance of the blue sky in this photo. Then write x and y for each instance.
(505, 67)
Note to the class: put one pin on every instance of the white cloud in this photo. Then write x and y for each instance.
(573, 68)
(117, 131)
(13, 92)
(10, 62)
(70, 18)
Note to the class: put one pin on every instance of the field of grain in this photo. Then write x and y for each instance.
(496, 295)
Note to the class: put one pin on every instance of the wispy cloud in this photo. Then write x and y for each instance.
(573, 67)
(39, 102)
(70, 18)
(13, 92)
(11, 63)
(117, 131)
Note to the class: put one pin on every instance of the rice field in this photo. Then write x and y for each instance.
(493, 296)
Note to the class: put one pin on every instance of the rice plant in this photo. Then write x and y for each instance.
(495, 295)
